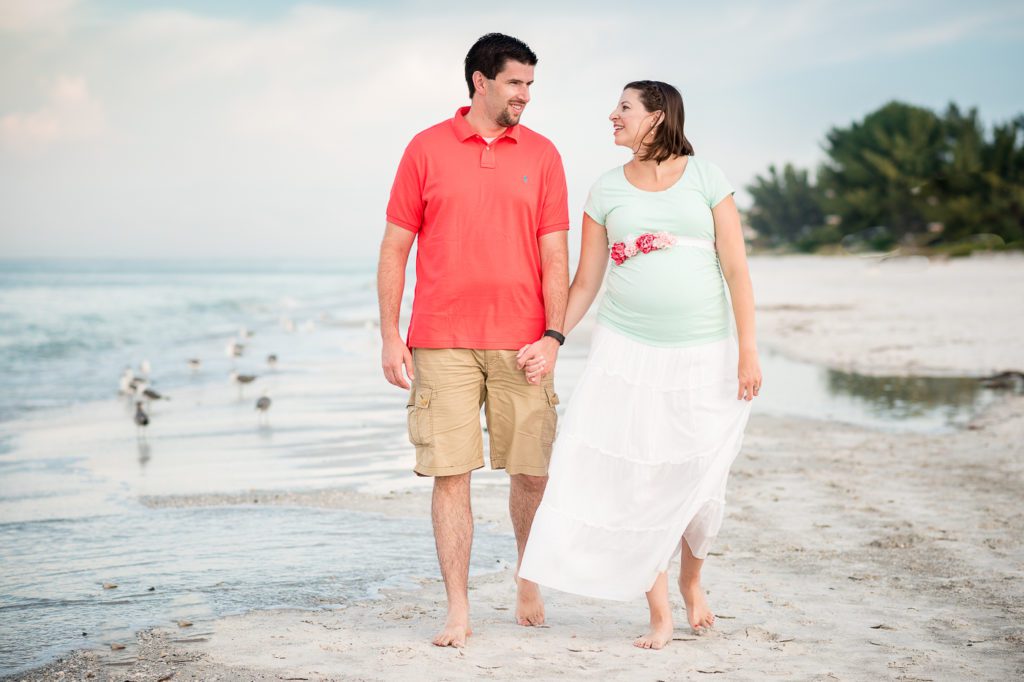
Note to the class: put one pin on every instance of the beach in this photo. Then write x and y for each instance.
(850, 550)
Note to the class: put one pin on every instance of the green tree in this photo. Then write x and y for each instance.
(1003, 175)
(882, 171)
(905, 174)
(786, 205)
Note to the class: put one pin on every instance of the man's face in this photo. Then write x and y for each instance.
(506, 95)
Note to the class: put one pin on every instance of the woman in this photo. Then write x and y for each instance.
(639, 469)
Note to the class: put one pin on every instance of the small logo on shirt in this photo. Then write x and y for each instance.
(526, 179)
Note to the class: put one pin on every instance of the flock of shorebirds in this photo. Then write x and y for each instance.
(136, 386)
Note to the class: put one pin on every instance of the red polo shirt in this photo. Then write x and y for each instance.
(478, 210)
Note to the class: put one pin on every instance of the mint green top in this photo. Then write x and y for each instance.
(674, 296)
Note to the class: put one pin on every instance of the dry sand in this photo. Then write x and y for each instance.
(846, 554)
(899, 316)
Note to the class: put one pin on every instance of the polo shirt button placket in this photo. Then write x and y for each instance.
(487, 157)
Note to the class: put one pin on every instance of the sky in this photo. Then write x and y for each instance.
(257, 129)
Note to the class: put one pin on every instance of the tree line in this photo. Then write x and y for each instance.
(903, 176)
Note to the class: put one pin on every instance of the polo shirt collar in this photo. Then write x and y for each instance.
(464, 131)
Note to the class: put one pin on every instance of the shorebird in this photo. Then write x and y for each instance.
(234, 349)
(1010, 379)
(141, 420)
(144, 368)
(151, 395)
(263, 406)
(193, 364)
(244, 333)
(272, 361)
(241, 380)
(125, 385)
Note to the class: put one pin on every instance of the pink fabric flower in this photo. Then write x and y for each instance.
(619, 253)
(645, 242)
(663, 240)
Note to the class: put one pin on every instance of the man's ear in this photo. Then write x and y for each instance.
(480, 82)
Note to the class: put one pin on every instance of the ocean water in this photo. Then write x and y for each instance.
(68, 328)
(73, 467)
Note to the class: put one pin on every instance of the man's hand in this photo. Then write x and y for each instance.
(394, 355)
(538, 358)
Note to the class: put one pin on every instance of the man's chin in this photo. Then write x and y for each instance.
(508, 120)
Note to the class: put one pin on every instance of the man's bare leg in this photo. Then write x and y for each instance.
(698, 613)
(453, 533)
(525, 493)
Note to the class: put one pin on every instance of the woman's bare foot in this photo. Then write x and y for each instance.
(529, 604)
(657, 637)
(698, 613)
(455, 632)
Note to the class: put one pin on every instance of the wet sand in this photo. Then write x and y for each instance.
(847, 553)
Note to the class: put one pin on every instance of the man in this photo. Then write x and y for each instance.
(487, 199)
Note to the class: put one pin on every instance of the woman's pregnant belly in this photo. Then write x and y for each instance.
(674, 297)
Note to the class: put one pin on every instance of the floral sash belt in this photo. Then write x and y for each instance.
(653, 241)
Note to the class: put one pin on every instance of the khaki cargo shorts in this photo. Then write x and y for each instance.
(451, 386)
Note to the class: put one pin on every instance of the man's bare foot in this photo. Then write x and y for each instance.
(657, 637)
(698, 613)
(529, 604)
(454, 634)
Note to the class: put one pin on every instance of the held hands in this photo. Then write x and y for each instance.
(538, 359)
(394, 355)
(749, 375)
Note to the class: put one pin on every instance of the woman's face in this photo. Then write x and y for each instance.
(631, 122)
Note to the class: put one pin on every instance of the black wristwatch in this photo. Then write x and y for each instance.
(557, 336)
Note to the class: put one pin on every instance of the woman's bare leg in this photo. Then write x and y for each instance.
(698, 613)
(660, 633)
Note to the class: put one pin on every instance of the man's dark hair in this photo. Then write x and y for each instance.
(489, 54)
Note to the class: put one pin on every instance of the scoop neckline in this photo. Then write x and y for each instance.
(686, 172)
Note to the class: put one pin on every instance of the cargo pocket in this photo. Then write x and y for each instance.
(421, 423)
(550, 421)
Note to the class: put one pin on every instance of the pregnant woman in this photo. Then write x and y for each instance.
(639, 468)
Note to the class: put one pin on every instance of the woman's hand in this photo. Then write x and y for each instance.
(538, 359)
(749, 375)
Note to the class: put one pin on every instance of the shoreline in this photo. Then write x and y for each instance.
(889, 563)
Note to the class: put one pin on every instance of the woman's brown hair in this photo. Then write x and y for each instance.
(669, 139)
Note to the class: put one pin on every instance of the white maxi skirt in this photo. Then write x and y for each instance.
(640, 462)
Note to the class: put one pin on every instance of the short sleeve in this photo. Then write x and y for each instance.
(595, 204)
(716, 186)
(554, 214)
(405, 207)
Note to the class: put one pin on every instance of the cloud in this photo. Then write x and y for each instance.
(19, 16)
(71, 113)
(256, 133)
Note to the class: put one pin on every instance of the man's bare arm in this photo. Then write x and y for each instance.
(394, 256)
(554, 259)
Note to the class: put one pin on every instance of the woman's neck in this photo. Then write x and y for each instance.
(653, 169)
